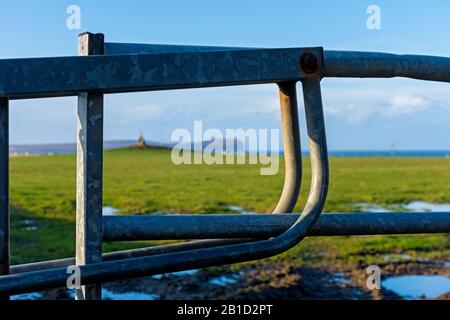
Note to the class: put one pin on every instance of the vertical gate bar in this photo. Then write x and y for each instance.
(4, 188)
(89, 172)
(292, 148)
(312, 97)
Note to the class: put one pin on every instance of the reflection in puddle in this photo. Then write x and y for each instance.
(28, 225)
(418, 286)
(426, 206)
(395, 257)
(178, 274)
(370, 207)
(109, 295)
(223, 280)
(27, 296)
(240, 210)
(412, 206)
(340, 278)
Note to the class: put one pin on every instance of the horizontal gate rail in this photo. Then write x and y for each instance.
(173, 227)
(348, 64)
(148, 264)
(179, 227)
(66, 76)
(139, 48)
(126, 254)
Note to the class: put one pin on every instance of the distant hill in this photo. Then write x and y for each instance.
(71, 148)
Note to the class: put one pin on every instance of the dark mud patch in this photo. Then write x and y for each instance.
(281, 280)
(278, 281)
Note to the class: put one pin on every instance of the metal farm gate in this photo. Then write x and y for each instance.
(106, 68)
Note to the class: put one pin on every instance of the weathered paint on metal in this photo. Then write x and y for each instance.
(89, 225)
(4, 186)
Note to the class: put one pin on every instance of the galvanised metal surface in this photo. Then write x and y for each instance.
(4, 186)
(89, 224)
(140, 48)
(264, 226)
(385, 65)
(257, 226)
(337, 63)
(53, 77)
(292, 148)
(119, 255)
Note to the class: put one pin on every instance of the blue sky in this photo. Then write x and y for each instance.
(360, 114)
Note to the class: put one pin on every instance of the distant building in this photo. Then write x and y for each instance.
(141, 141)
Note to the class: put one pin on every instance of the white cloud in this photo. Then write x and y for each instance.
(354, 107)
(402, 104)
(349, 113)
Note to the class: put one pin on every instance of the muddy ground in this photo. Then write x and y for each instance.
(282, 280)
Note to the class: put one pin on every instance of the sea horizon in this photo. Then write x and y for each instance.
(70, 148)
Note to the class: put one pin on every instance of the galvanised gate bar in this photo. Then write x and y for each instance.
(106, 68)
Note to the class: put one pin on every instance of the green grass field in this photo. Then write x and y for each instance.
(146, 181)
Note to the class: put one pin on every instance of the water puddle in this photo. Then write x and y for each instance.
(426, 206)
(111, 295)
(185, 273)
(239, 210)
(110, 211)
(369, 207)
(28, 225)
(396, 257)
(340, 278)
(137, 296)
(224, 280)
(418, 286)
(27, 297)
(412, 206)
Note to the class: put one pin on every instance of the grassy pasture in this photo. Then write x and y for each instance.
(146, 181)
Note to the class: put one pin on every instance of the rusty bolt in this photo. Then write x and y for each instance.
(309, 63)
